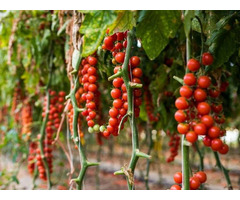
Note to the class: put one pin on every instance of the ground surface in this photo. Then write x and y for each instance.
(160, 177)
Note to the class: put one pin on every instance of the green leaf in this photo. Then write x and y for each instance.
(188, 15)
(155, 29)
(223, 40)
(223, 47)
(94, 28)
(76, 59)
(158, 82)
(125, 21)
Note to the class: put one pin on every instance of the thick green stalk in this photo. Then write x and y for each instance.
(83, 159)
(185, 148)
(223, 169)
(185, 164)
(135, 143)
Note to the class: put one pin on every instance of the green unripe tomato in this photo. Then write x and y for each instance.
(96, 128)
(102, 128)
(90, 130)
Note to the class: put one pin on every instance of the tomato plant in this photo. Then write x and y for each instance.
(104, 82)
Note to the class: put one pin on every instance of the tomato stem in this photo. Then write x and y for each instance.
(43, 127)
(185, 148)
(77, 140)
(201, 157)
(150, 146)
(223, 169)
(135, 143)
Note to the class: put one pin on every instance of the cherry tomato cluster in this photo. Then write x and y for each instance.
(90, 87)
(31, 157)
(174, 145)
(26, 120)
(194, 182)
(149, 104)
(117, 44)
(55, 110)
(48, 154)
(197, 113)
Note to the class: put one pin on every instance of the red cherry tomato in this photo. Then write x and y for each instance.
(108, 42)
(113, 112)
(200, 95)
(207, 141)
(116, 93)
(117, 82)
(181, 103)
(214, 132)
(113, 122)
(214, 93)
(191, 136)
(92, 60)
(90, 123)
(120, 57)
(203, 108)
(178, 177)
(193, 65)
(224, 149)
(186, 91)
(137, 72)
(135, 61)
(207, 120)
(189, 79)
(200, 129)
(216, 144)
(92, 71)
(194, 183)
(207, 59)
(92, 88)
(201, 176)
(175, 187)
(180, 116)
(117, 103)
(204, 81)
(183, 128)
(106, 133)
(217, 108)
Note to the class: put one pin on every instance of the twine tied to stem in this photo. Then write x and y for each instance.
(128, 173)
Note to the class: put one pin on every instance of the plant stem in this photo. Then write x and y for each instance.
(83, 159)
(149, 134)
(135, 143)
(185, 148)
(185, 165)
(42, 130)
(201, 157)
(98, 169)
(223, 169)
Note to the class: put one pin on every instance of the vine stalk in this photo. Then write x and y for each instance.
(223, 169)
(185, 147)
(135, 143)
(149, 134)
(42, 130)
(84, 163)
